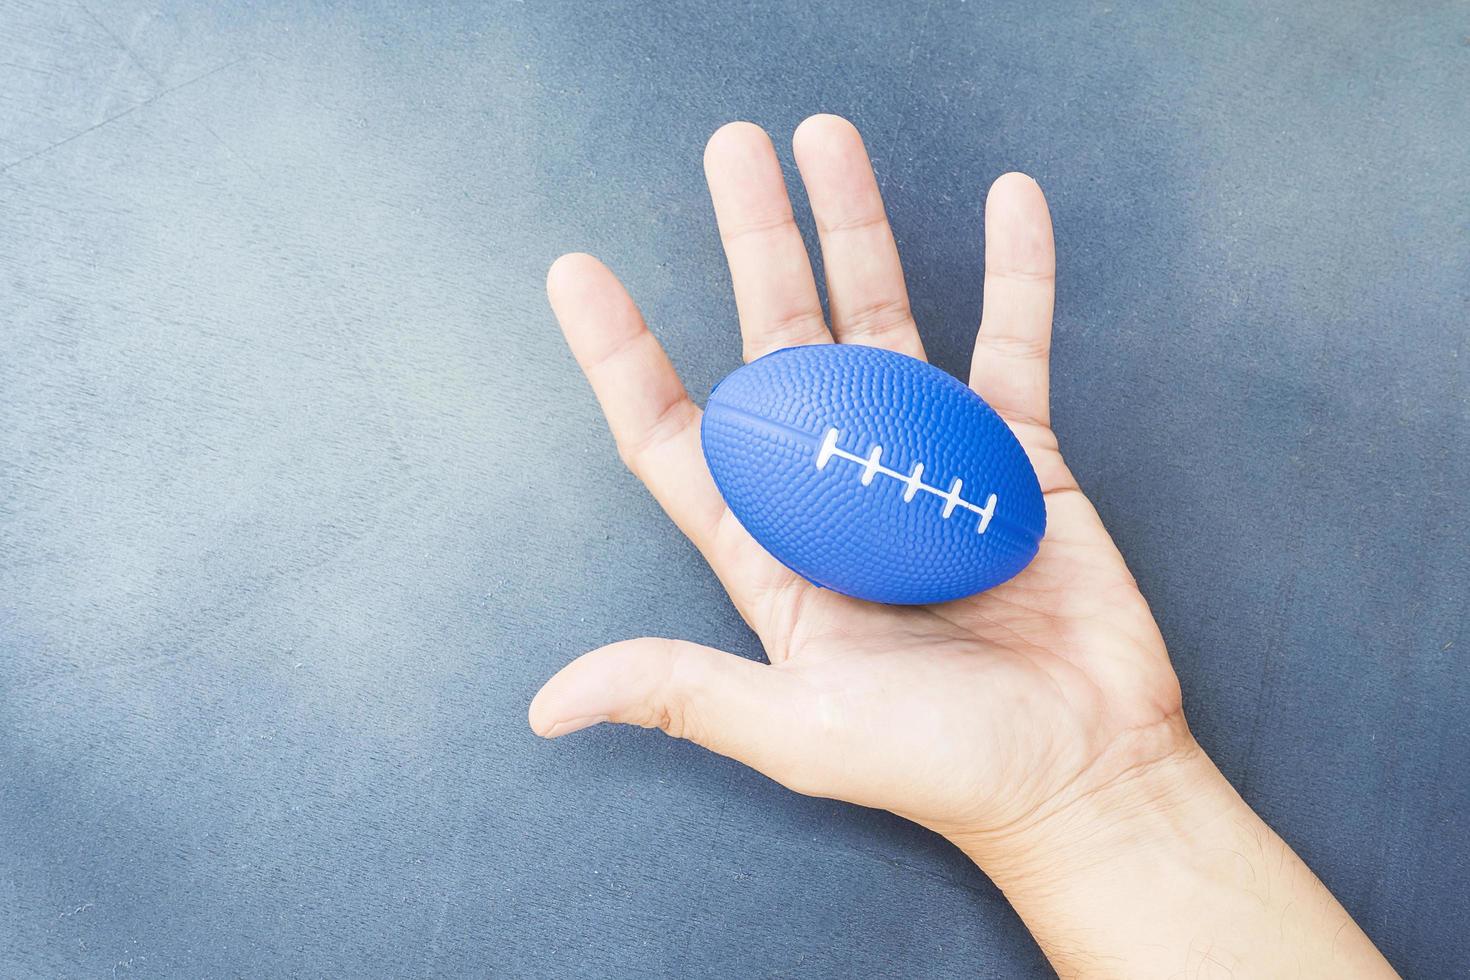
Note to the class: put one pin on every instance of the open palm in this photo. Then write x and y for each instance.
(972, 717)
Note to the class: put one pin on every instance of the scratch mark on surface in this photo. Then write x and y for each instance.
(158, 80)
(204, 645)
(119, 115)
(908, 71)
(230, 151)
(30, 68)
(1266, 685)
(119, 42)
(709, 866)
(369, 377)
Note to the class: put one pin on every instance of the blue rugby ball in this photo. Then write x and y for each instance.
(873, 474)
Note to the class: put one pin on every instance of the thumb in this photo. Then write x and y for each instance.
(751, 712)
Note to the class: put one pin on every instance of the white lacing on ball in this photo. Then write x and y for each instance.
(872, 465)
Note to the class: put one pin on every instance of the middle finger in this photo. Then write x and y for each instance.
(865, 287)
(769, 267)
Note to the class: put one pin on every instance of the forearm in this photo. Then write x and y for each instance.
(1165, 871)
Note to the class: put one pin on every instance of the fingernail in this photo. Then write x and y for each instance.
(573, 725)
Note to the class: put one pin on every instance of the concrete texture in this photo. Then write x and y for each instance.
(301, 496)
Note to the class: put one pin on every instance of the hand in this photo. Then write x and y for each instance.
(1038, 725)
(969, 717)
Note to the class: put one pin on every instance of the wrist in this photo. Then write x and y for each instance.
(1157, 793)
(1153, 865)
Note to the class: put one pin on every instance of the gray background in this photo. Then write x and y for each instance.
(301, 496)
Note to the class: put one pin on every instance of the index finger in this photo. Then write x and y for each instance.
(655, 424)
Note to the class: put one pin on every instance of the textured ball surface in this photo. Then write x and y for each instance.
(873, 474)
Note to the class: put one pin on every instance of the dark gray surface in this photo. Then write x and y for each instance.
(301, 496)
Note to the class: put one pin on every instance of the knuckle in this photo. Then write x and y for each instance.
(671, 714)
(615, 351)
(1015, 346)
(671, 420)
(669, 719)
(756, 227)
(1023, 275)
(784, 330)
(880, 318)
(857, 222)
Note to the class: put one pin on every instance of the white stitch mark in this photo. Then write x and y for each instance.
(914, 483)
(829, 446)
(872, 465)
(953, 497)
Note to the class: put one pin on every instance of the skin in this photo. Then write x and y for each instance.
(1038, 726)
